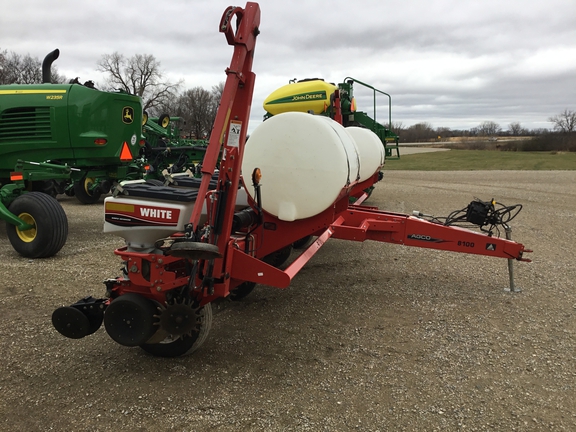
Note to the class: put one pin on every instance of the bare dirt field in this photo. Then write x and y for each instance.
(369, 336)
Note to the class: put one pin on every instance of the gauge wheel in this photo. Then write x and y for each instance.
(186, 344)
(83, 193)
(49, 225)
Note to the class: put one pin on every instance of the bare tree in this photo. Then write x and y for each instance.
(564, 122)
(17, 69)
(443, 133)
(217, 91)
(488, 128)
(139, 75)
(197, 108)
(3, 68)
(397, 126)
(419, 132)
(515, 128)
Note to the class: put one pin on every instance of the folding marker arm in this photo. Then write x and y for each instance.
(360, 225)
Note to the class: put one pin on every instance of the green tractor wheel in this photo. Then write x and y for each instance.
(50, 225)
(164, 120)
(83, 193)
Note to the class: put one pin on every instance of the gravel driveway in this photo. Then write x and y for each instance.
(369, 336)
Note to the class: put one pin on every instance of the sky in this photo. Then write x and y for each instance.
(450, 63)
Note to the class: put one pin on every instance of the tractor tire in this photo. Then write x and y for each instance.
(50, 225)
(275, 259)
(279, 257)
(164, 120)
(303, 243)
(241, 291)
(186, 344)
(82, 191)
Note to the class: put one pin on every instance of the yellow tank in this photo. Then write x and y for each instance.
(308, 95)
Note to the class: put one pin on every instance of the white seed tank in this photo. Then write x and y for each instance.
(306, 161)
(371, 151)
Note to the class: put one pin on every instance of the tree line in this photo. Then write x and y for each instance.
(143, 76)
(19, 69)
(140, 75)
(563, 123)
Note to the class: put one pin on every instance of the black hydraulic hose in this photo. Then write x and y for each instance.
(221, 209)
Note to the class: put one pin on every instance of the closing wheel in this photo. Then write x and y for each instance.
(83, 192)
(185, 344)
(50, 225)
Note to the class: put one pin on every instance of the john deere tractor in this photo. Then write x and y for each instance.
(61, 138)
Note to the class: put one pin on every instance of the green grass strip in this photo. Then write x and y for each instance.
(475, 160)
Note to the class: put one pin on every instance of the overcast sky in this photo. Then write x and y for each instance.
(452, 63)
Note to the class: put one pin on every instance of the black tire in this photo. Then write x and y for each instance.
(186, 344)
(49, 219)
(164, 120)
(303, 243)
(241, 291)
(279, 257)
(83, 193)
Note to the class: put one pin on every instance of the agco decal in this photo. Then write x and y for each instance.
(127, 115)
(137, 215)
(425, 238)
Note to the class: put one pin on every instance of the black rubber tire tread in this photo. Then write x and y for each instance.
(51, 225)
(183, 345)
(279, 257)
(303, 243)
(83, 196)
(162, 118)
(241, 291)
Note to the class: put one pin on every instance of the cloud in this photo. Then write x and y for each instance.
(453, 63)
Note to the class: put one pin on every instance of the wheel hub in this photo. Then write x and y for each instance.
(28, 235)
(180, 318)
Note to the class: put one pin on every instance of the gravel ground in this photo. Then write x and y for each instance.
(369, 336)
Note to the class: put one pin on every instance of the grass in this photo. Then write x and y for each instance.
(474, 160)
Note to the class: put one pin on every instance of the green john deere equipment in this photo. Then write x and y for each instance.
(61, 138)
(336, 101)
(167, 153)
